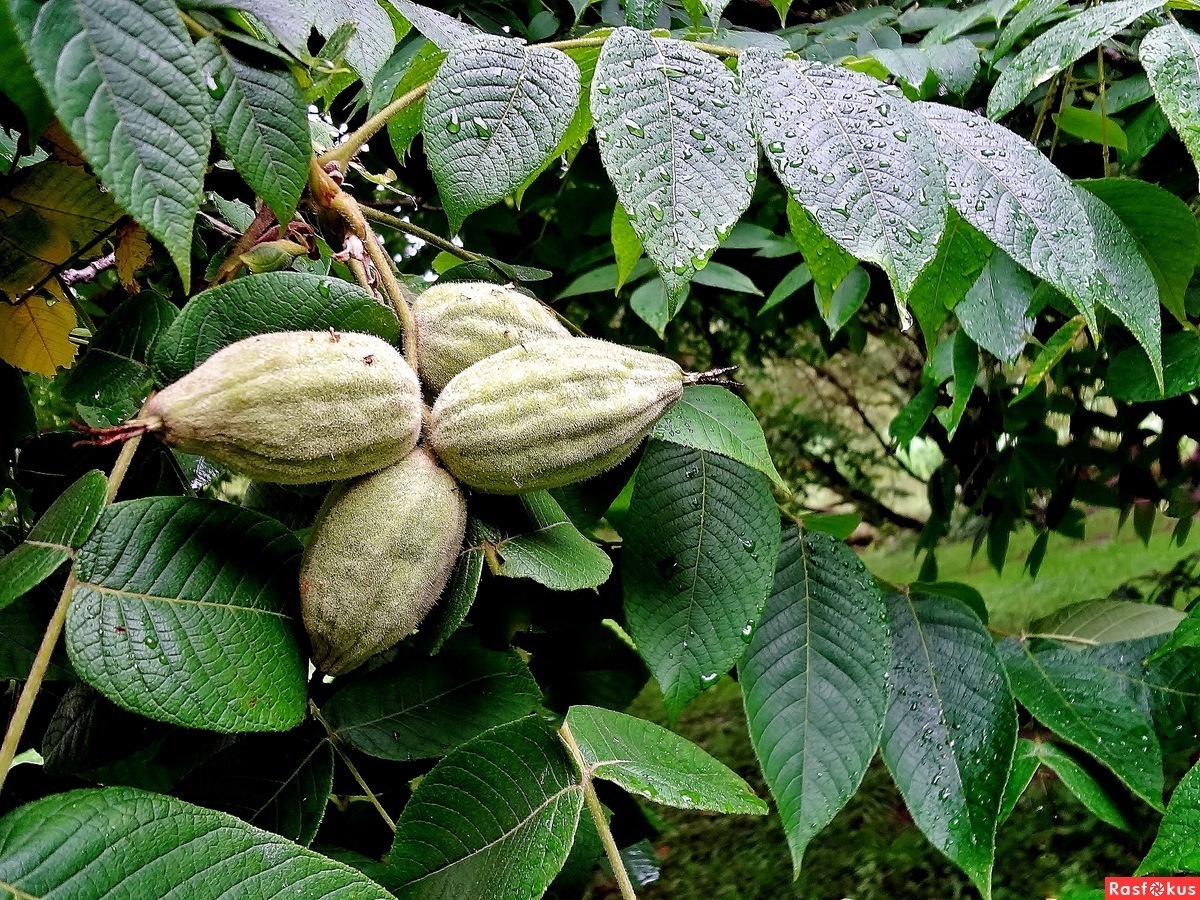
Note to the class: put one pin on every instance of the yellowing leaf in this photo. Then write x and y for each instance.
(133, 252)
(52, 214)
(35, 336)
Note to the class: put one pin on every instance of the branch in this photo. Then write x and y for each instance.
(343, 152)
(417, 231)
(88, 272)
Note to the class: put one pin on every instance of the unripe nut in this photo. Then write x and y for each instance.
(294, 407)
(460, 323)
(378, 558)
(550, 413)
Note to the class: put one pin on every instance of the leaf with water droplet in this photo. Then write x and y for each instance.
(1171, 57)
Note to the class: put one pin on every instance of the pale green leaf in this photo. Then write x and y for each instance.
(993, 311)
(1105, 621)
(1171, 57)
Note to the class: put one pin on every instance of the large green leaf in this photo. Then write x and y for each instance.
(647, 760)
(256, 304)
(673, 128)
(1171, 57)
(1088, 707)
(1007, 189)
(1131, 378)
(122, 79)
(951, 728)
(1134, 297)
(993, 311)
(1079, 781)
(494, 819)
(962, 254)
(183, 613)
(1163, 228)
(494, 113)
(552, 551)
(118, 842)
(52, 540)
(1105, 621)
(712, 418)
(828, 263)
(404, 127)
(814, 680)
(1029, 16)
(261, 120)
(417, 708)
(856, 155)
(442, 30)
(699, 552)
(1175, 849)
(1057, 48)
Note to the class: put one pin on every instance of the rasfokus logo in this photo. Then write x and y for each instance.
(1152, 887)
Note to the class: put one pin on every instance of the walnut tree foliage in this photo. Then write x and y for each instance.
(1001, 192)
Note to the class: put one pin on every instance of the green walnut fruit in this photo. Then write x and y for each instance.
(458, 324)
(549, 413)
(377, 559)
(294, 407)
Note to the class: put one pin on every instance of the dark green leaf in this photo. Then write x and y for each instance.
(1025, 766)
(814, 682)
(1175, 849)
(257, 304)
(700, 546)
(494, 112)
(1088, 125)
(647, 760)
(495, 818)
(22, 625)
(122, 79)
(951, 728)
(856, 155)
(459, 595)
(17, 79)
(1080, 782)
(553, 551)
(847, 299)
(1131, 378)
(713, 418)
(183, 614)
(827, 262)
(50, 543)
(907, 423)
(416, 708)
(404, 127)
(1087, 707)
(122, 842)
(261, 119)
(674, 135)
(792, 282)
(641, 13)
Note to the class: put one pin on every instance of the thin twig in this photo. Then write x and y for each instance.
(1103, 111)
(370, 794)
(589, 792)
(41, 662)
(343, 152)
(88, 272)
(417, 231)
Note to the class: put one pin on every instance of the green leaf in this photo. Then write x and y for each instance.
(121, 842)
(1080, 782)
(22, 625)
(647, 760)
(1054, 50)
(1050, 355)
(673, 128)
(52, 541)
(17, 79)
(1029, 16)
(854, 154)
(417, 708)
(961, 256)
(257, 304)
(1171, 57)
(951, 728)
(1163, 228)
(494, 112)
(727, 278)
(115, 370)
(827, 262)
(1105, 621)
(814, 681)
(443, 30)
(907, 423)
(1087, 707)
(1092, 126)
(649, 302)
(1130, 377)
(404, 127)
(1134, 296)
(261, 119)
(837, 525)
(554, 552)
(1175, 849)
(847, 299)
(1008, 190)
(1025, 766)
(182, 615)
(792, 282)
(713, 418)
(459, 595)
(641, 13)
(627, 246)
(495, 818)
(1186, 633)
(280, 782)
(700, 545)
(122, 79)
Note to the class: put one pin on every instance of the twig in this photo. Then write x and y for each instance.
(417, 231)
(606, 837)
(41, 662)
(400, 298)
(78, 254)
(1103, 111)
(370, 794)
(88, 272)
(343, 152)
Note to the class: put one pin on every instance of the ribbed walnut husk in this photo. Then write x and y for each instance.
(294, 407)
(549, 413)
(377, 559)
(461, 323)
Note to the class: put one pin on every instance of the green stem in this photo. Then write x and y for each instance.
(606, 837)
(342, 153)
(362, 783)
(427, 236)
